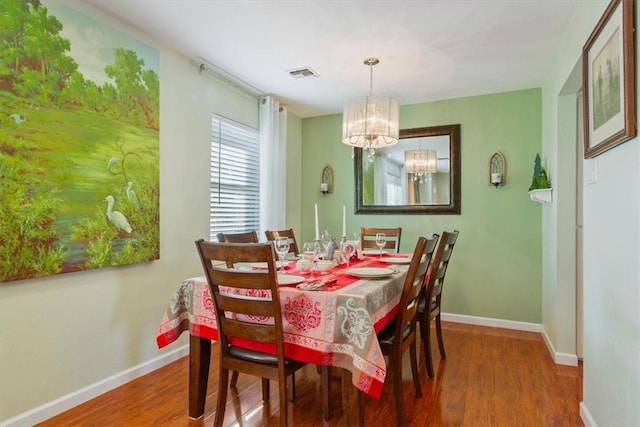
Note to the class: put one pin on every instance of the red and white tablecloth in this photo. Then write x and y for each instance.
(336, 326)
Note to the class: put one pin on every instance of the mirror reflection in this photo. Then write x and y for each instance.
(413, 172)
(420, 174)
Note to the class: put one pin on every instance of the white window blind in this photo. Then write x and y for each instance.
(235, 178)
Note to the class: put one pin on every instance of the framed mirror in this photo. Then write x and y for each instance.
(419, 175)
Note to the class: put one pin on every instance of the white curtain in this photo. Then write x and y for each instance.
(380, 181)
(273, 164)
(404, 188)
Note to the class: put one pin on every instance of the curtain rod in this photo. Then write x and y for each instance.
(229, 78)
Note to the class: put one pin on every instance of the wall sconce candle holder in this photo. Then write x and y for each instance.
(497, 170)
(326, 180)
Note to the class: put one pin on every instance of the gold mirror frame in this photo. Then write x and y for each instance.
(454, 206)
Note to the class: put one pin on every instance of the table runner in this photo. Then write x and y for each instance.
(336, 326)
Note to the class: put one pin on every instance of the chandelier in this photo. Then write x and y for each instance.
(370, 122)
(419, 163)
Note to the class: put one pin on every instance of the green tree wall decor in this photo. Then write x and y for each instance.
(540, 179)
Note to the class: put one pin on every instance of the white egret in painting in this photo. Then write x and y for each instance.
(18, 118)
(117, 218)
(112, 162)
(132, 195)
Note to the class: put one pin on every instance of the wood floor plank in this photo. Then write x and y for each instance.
(491, 377)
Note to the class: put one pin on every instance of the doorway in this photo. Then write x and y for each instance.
(571, 148)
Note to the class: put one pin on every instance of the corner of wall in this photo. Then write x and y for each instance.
(559, 358)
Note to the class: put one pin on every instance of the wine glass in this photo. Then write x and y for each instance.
(310, 251)
(348, 248)
(282, 249)
(381, 240)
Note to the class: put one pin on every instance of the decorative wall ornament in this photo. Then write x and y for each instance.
(497, 169)
(326, 180)
(540, 189)
(79, 154)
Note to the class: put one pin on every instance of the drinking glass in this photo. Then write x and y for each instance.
(310, 251)
(348, 248)
(282, 249)
(381, 240)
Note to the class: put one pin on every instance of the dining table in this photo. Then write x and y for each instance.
(334, 326)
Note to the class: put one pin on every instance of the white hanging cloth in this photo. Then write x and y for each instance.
(273, 164)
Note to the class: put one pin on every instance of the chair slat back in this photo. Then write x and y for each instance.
(293, 244)
(368, 238)
(246, 237)
(414, 283)
(264, 303)
(439, 265)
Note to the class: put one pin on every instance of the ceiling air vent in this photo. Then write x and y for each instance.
(302, 73)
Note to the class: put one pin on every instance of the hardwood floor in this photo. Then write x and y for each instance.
(491, 377)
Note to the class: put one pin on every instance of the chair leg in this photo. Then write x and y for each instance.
(291, 387)
(234, 378)
(265, 389)
(222, 397)
(426, 341)
(325, 385)
(396, 363)
(282, 392)
(413, 353)
(439, 333)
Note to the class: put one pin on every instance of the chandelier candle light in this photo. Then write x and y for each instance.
(372, 121)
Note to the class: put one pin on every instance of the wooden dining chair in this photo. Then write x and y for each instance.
(429, 307)
(400, 334)
(293, 244)
(246, 237)
(228, 304)
(368, 238)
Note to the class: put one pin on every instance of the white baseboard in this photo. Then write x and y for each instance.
(494, 323)
(559, 358)
(64, 403)
(586, 417)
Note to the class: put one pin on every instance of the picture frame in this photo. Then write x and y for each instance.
(609, 80)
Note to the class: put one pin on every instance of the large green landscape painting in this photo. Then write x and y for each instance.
(79, 143)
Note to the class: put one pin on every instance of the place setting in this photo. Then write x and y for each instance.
(371, 272)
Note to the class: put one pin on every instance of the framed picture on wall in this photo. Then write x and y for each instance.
(79, 144)
(609, 80)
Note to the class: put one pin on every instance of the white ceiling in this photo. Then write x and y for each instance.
(428, 50)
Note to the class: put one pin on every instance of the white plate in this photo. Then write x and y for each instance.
(286, 279)
(264, 264)
(372, 252)
(370, 272)
(396, 260)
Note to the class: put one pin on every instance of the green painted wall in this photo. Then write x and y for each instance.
(496, 268)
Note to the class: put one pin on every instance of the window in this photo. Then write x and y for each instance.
(235, 178)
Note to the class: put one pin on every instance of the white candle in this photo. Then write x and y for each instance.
(317, 227)
(344, 221)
